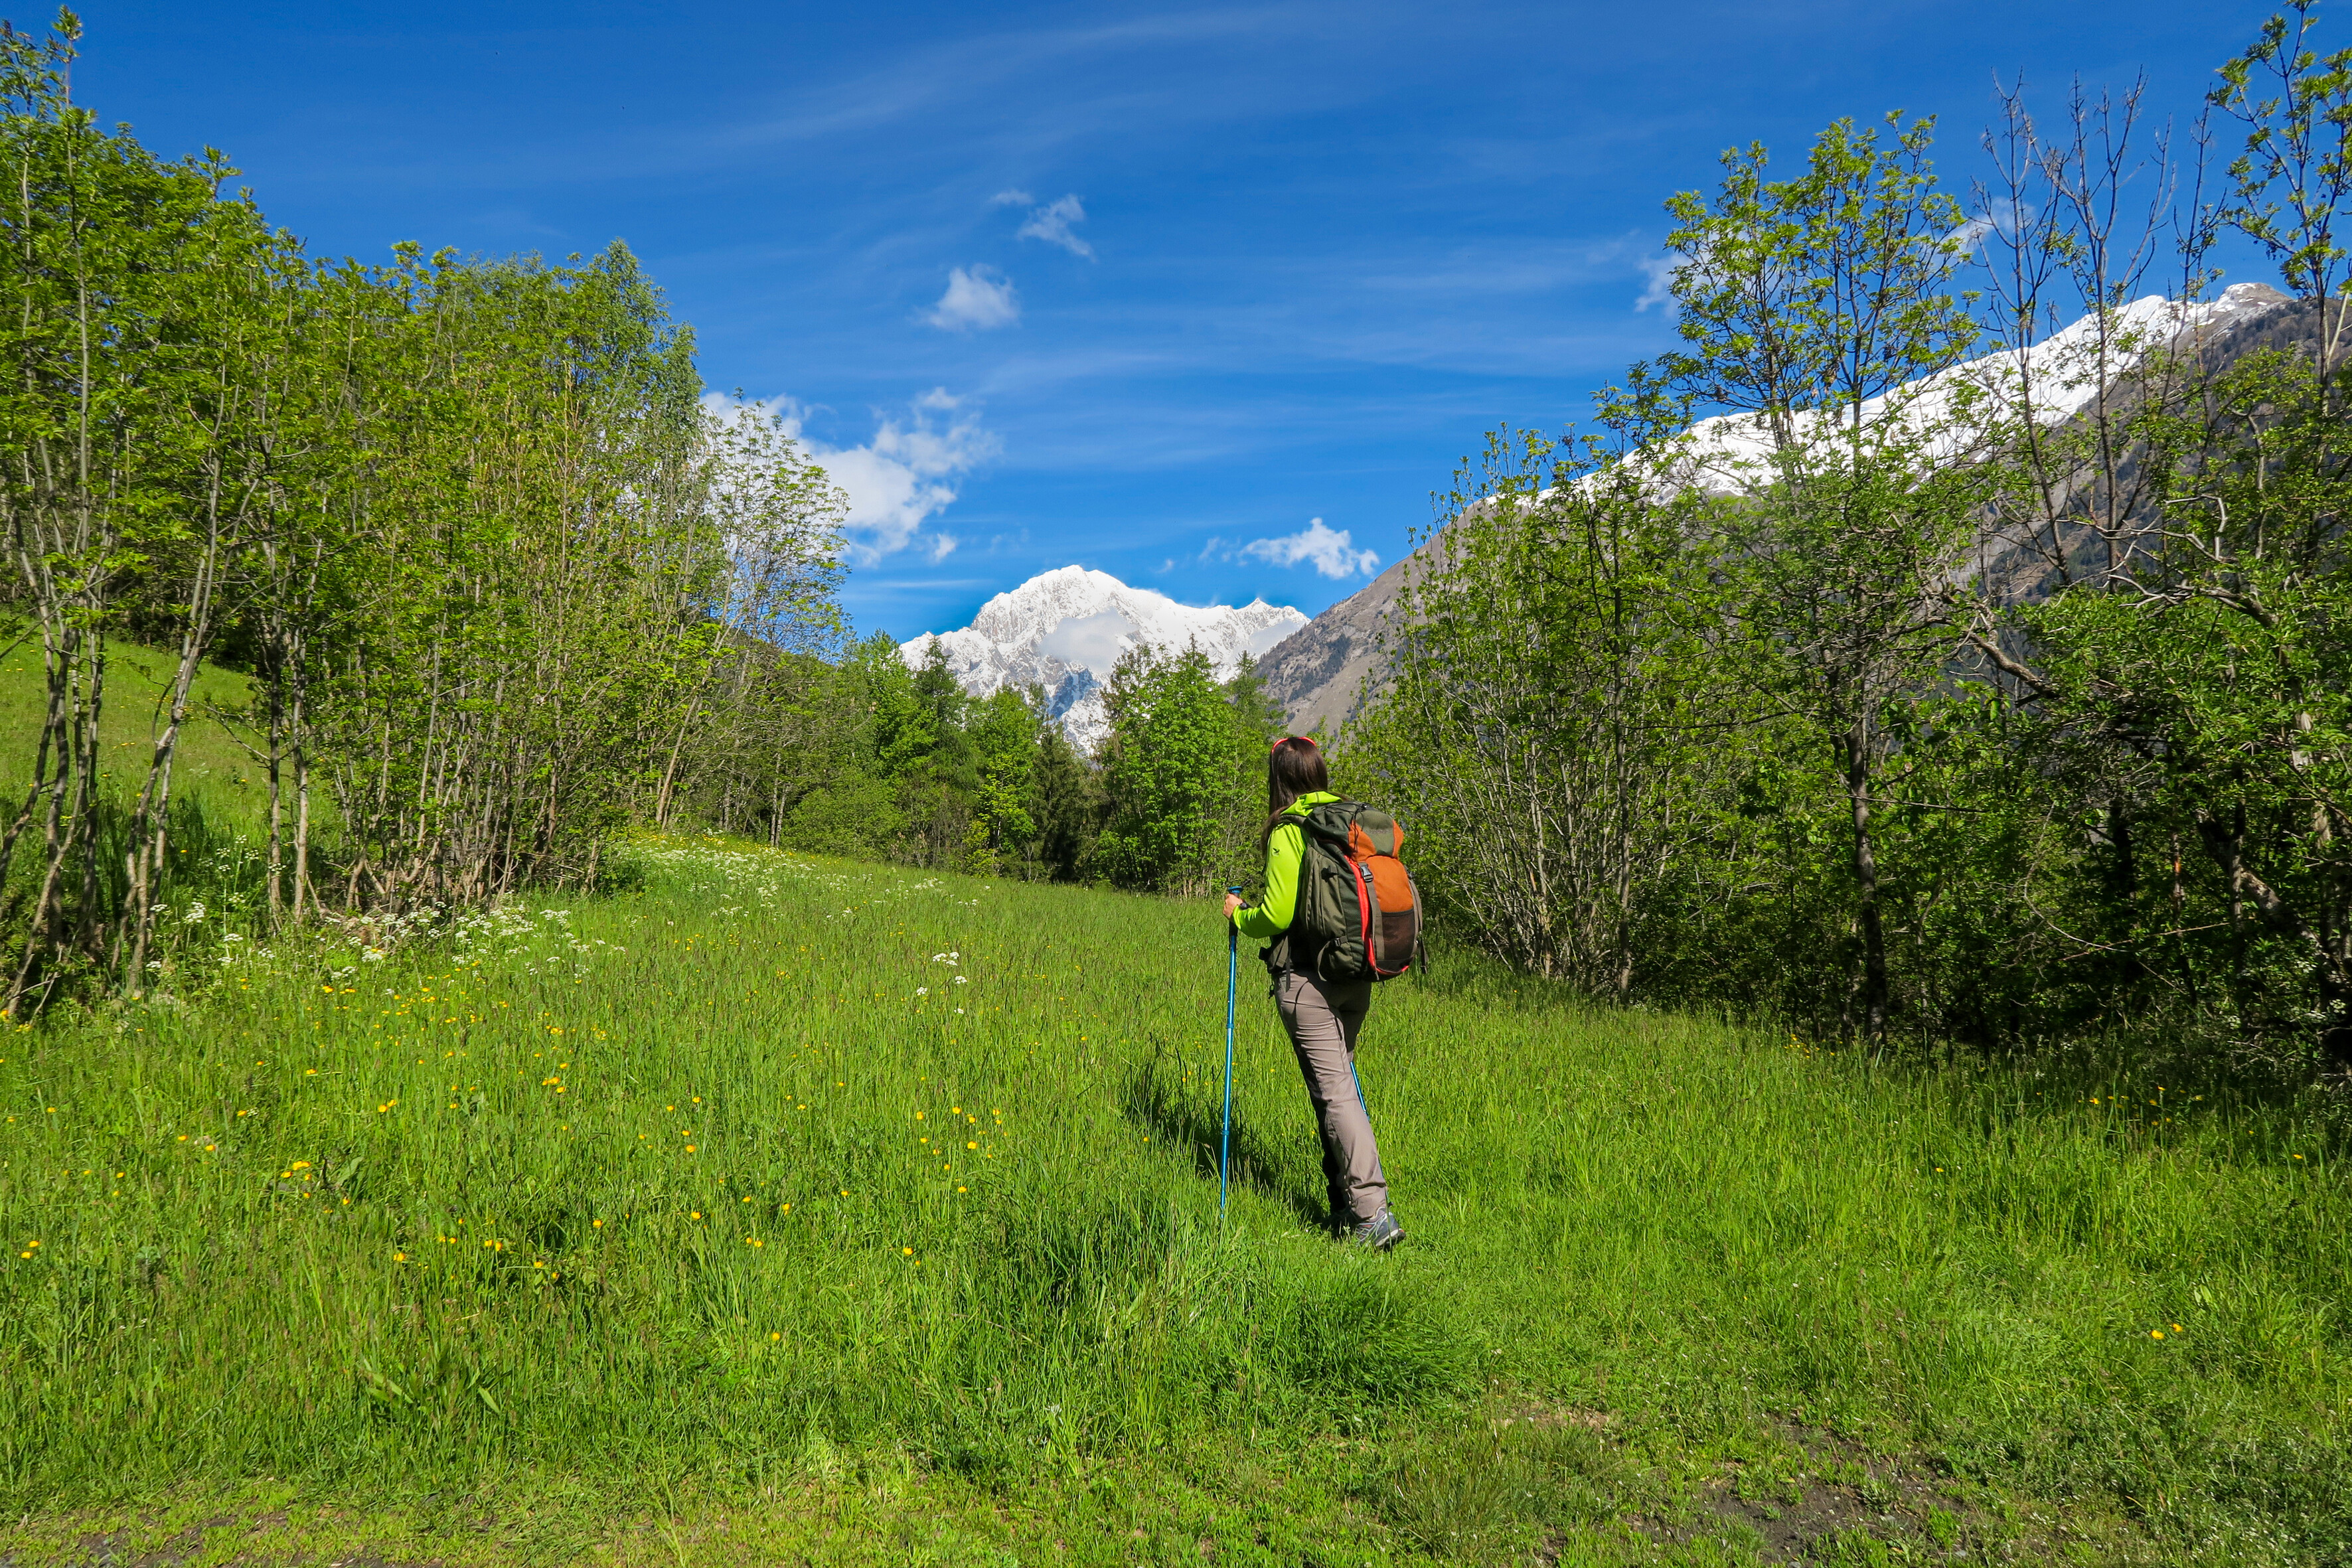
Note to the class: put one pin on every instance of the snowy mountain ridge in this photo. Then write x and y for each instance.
(2054, 379)
(1066, 628)
(1319, 675)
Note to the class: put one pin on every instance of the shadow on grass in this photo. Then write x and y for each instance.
(1155, 1099)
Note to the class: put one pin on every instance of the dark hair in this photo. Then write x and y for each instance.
(1295, 767)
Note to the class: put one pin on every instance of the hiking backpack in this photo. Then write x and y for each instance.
(1359, 913)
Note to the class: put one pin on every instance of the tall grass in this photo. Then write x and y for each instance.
(771, 1159)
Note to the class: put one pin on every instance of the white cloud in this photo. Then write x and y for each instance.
(909, 473)
(1659, 272)
(1052, 223)
(2001, 215)
(1012, 198)
(981, 297)
(1329, 550)
(1970, 235)
(1089, 642)
(1266, 640)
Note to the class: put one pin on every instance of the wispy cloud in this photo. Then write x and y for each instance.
(981, 298)
(2001, 215)
(909, 473)
(1051, 223)
(1658, 273)
(1027, 75)
(1012, 198)
(1330, 551)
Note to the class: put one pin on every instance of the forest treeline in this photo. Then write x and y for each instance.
(499, 579)
(912, 768)
(1898, 701)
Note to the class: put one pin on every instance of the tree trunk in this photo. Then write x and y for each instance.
(1865, 884)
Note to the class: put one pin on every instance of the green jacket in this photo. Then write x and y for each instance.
(1278, 905)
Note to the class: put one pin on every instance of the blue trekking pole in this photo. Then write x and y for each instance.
(1233, 976)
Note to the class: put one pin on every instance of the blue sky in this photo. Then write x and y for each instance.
(1182, 292)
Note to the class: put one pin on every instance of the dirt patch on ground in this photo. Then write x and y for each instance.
(214, 1539)
(1835, 1503)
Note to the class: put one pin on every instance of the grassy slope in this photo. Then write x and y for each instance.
(136, 678)
(719, 1222)
(220, 795)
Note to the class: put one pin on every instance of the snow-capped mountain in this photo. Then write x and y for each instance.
(1319, 675)
(2055, 379)
(1066, 628)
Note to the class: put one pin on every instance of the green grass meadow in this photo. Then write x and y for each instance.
(782, 1209)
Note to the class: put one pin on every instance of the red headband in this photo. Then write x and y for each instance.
(1286, 740)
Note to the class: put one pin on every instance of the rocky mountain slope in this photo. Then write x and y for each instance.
(1066, 628)
(1318, 673)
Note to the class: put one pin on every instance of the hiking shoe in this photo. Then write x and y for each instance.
(1379, 1233)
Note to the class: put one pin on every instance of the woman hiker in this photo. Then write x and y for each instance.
(1323, 1019)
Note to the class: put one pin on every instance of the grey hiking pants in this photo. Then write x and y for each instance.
(1324, 1021)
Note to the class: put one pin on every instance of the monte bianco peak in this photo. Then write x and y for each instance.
(1066, 628)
